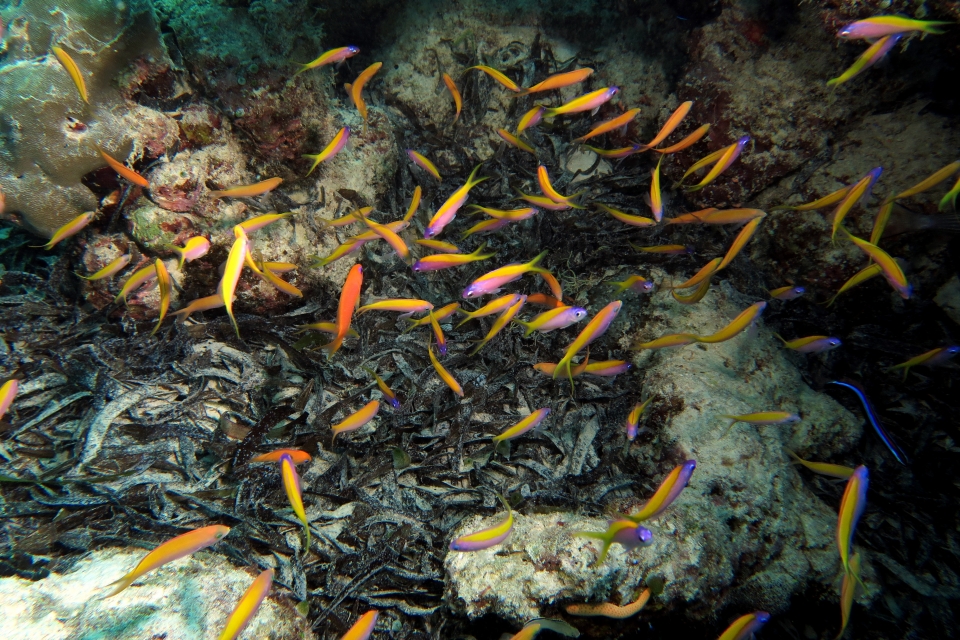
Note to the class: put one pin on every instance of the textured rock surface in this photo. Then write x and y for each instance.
(187, 600)
(746, 531)
(45, 149)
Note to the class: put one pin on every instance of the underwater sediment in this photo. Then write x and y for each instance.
(127, 429)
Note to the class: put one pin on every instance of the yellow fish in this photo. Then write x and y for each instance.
(74, 72)
(231, 273)
(823, 468)
(329, 57)
(163, 279)
(672, 123)
(498, 76)
(861, 276)
(357, 419)
(445, 375)
(746, 318)
(336, 145)
(741, 240)
(247, 607)
(135, 281)
(72, 228)
(116, 265)
(294, 490)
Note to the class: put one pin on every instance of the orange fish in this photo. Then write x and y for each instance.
(558, 81)
(247, 191)
(174, 549)
(123, 170)
(356, 89)
(349, 298)
(457, 100)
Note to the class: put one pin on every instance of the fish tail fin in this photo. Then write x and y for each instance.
(527, 326)
(794, 456)
(564, 362)
(533, 263)
(471, 180)
(780, 337)
(604, 537)
(479, 250)
(303, 67)
(118, 585)
(233, 320)
(332, 347)
(733, 421)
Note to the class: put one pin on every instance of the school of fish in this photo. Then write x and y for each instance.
(883, 32)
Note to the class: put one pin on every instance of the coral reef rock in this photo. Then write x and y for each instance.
(746, 531)
(179, 601)
(46, 145)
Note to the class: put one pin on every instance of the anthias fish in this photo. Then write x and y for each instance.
(744, 627)
(532, 421)
(486, 538)
(333, 56)
(333, 148)
(248, 605)
(248, 191)
(669, 490)
(625, 532)
(173, 549)
(424, 163)
(363, 628)
(535, 626)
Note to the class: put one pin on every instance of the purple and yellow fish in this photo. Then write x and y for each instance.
(851, 508)
(448, 210)
(387, 392)
(294, 490)
(870, 57)
(633, 418)
(930, 359)
(115, 266)
(486, 538)
(195, 247)
(669, 490)
(532, 421)
(336, 145)
(558, 318)
(588, 102)
(811, 344)
(729, 156)
(72, 228)
(594, 329)
(637, 284)
(333, 56)
(744, 627)
(492, 281)
(247, 191)
(880, 26)
(7, 393)
(500, 323)
(787, 293)
(445, 375)
(625, 532)
(438, 261)
(424, 163)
